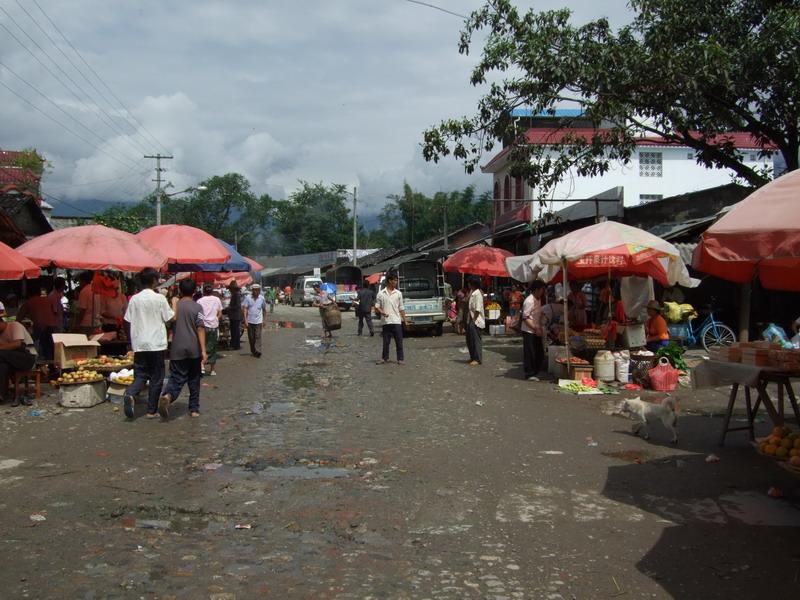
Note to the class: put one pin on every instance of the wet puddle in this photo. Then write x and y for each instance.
(281, 409)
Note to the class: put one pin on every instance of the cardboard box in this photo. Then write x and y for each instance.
(84, 395)
(70, 347)
(497, 329)
(634, 336)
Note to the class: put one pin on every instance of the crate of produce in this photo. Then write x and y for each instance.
(578, 372)
(678, 331)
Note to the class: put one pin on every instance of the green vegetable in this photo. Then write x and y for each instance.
(674, 353)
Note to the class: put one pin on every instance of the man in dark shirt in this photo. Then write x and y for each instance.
(366, 300)
(187, 354)
(235, 316)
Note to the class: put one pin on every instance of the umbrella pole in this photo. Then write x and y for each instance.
(566, 310)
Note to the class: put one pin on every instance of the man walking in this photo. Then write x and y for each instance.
(532, 332)
(255, 312)
(475, 322)
(212, 311)
(235, 315)
(148, 313)
(366, 300)
(389, 304)
(187, 354)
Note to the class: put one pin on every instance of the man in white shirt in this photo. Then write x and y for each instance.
(212, 311)
(148, 313)
(533, 332)
(389, 305)
(255, 312)
(476, 321)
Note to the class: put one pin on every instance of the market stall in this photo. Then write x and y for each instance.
(483, 261)
(608, 249)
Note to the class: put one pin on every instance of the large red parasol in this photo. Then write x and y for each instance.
(14, 265)
(92, 247)
(185, 244)
(217, 278)
(759, 236)
(479, 260)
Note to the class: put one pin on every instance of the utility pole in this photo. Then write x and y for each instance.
(355, 227)
(158, 158)
(444, 201)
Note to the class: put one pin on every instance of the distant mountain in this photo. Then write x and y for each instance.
(80, 208)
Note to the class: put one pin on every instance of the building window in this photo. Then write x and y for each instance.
(519, 188)
(507, 188)
(753, 156)
(645, 198)
(496, 190)
(506, 205)
(690, 156)
(650, 164)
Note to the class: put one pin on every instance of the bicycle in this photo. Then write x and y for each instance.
(711, 333)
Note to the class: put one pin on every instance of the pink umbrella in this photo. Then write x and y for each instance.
(14, 265)
(185, 244)
(92, 247)
(479, 260)
(758, 236)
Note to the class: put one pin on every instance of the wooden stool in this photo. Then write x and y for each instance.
(25, 376)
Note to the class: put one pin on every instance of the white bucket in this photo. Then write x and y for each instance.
(604, 366)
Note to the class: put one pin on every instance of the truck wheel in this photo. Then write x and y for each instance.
(437, 331)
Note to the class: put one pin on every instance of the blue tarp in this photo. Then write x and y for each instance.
(236, 263)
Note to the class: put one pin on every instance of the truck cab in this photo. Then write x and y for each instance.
(422, 284)
(347, 279)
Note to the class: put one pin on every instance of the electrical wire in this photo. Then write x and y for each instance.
(116, 128)
(88, 108)
(444, 10)
(60, 124)
(119, 157)
(100, 79)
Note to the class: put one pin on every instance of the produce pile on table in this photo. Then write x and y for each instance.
(782, 444)
(105, 362)
(76, 377)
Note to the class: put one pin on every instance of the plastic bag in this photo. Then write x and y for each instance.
(776, 335)
(663, 377)
(622, 366)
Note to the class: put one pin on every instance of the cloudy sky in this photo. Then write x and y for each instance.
(337, 91)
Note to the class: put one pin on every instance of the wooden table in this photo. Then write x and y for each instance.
(714, 373)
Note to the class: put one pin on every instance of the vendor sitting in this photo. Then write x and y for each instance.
(15, 353)
(656, 327)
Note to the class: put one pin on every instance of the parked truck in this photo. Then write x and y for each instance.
(424, 293)
(347, 280)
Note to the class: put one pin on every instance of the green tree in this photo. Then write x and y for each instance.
(128, 217)
(315, 218)
(690, 72)
(227, 209)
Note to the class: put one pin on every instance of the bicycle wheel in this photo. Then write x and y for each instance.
(723, 336)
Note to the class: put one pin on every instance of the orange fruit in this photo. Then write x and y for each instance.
(781, 452)
(785, 431)
(794, 452)
(774, 440)
(797, 443)
(770, 449)
(777, 431)
(787, 443)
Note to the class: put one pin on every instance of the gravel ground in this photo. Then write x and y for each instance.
(314, 473)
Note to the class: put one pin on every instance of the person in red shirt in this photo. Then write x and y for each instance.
(656, 327)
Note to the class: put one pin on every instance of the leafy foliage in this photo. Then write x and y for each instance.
(690, 72)
(315, 218)
(411, 217)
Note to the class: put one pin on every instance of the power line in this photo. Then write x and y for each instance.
(109, 123)
(119, 158)
(100, 79)
(59, 123)
(74, 66)
(444, 10)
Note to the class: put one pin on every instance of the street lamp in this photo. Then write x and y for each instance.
(159, 196)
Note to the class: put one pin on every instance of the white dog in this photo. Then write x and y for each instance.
(646, 412)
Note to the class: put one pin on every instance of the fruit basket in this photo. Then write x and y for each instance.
(782, 444)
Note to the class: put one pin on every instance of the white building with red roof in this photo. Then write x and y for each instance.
(658, 169)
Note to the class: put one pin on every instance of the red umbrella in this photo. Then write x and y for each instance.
(185, 244)
(14, 265)
(220, 279)
(92, 247)
(254, 266)
(758, 236)
(375, 278)
(479, 260)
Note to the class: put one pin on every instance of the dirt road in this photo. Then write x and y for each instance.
(314, 473)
